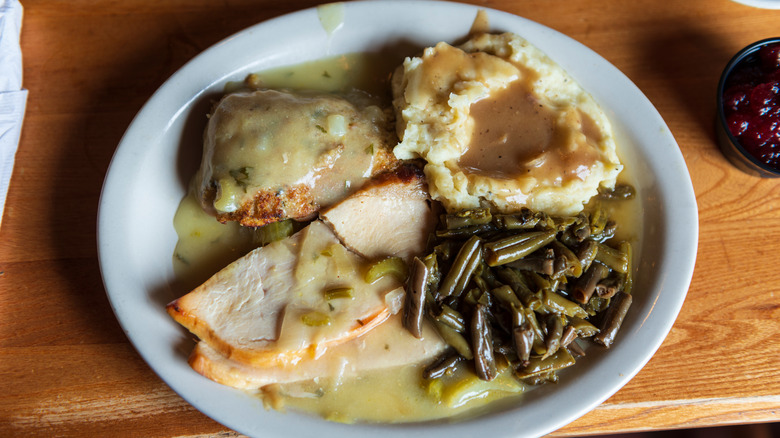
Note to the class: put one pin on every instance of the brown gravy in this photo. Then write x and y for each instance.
(515, 134)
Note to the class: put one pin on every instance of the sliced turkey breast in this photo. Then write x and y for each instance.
(386, 346)
(297, 295)
(392, 215)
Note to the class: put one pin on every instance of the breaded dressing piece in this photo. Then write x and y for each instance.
(270, 155)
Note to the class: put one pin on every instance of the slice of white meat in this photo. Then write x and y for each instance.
(388, 345)
(272, 306)
(391, 216)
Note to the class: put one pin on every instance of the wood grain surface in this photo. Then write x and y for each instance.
(67, 369)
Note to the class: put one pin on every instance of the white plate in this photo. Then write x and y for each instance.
(159, 153)
(763, 4)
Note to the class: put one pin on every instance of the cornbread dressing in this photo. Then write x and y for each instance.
(270, 155)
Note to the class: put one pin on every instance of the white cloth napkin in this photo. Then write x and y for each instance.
(12, 97)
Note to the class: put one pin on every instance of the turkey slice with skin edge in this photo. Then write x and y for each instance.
(387, 346)
(270, 307)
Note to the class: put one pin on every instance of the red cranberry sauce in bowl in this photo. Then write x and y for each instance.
(751, 101)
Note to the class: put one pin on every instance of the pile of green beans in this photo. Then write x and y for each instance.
(520, 290)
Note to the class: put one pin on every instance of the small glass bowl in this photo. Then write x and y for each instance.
(728, 143)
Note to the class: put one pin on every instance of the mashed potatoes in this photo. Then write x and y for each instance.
(498, 121)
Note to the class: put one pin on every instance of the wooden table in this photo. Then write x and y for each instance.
(66, 368)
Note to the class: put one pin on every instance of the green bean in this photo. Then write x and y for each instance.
(431, 304)
(613, 258)
(554, 333)
(560, 305)
(443, 365)
(486, 299)
(586, 285)
(467, 218)
(506, 296)
(446, 249)
(477, 278)
(613, 319)
(454, 339)
(539, 282)
(545, 221)
(459, 233)
(587, 253)
(628, 280)
(514, 239)
(467, 274)
(471, 298)
(538, 344)
(596, 305)
(522, 334)
(414, 302)
(526, 219)
(523, 338)
(541, 265)
(611, 285)
(434, 276)
(561, 267)
(469, 251)
(487, 274)
(580, 230)
(563, 223)
(610, 228)
(575, 349)
(482, 345)
(598, 218)
(500, 254)
(584, 328)
(538, 366)
(573, 262)
(518, 316)
(568, 336)
(432, 262)
(452, 318)
(555, 283)
(394, 266)
(517, 283)
(511, 277)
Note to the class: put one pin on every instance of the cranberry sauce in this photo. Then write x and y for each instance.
(751, 104)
